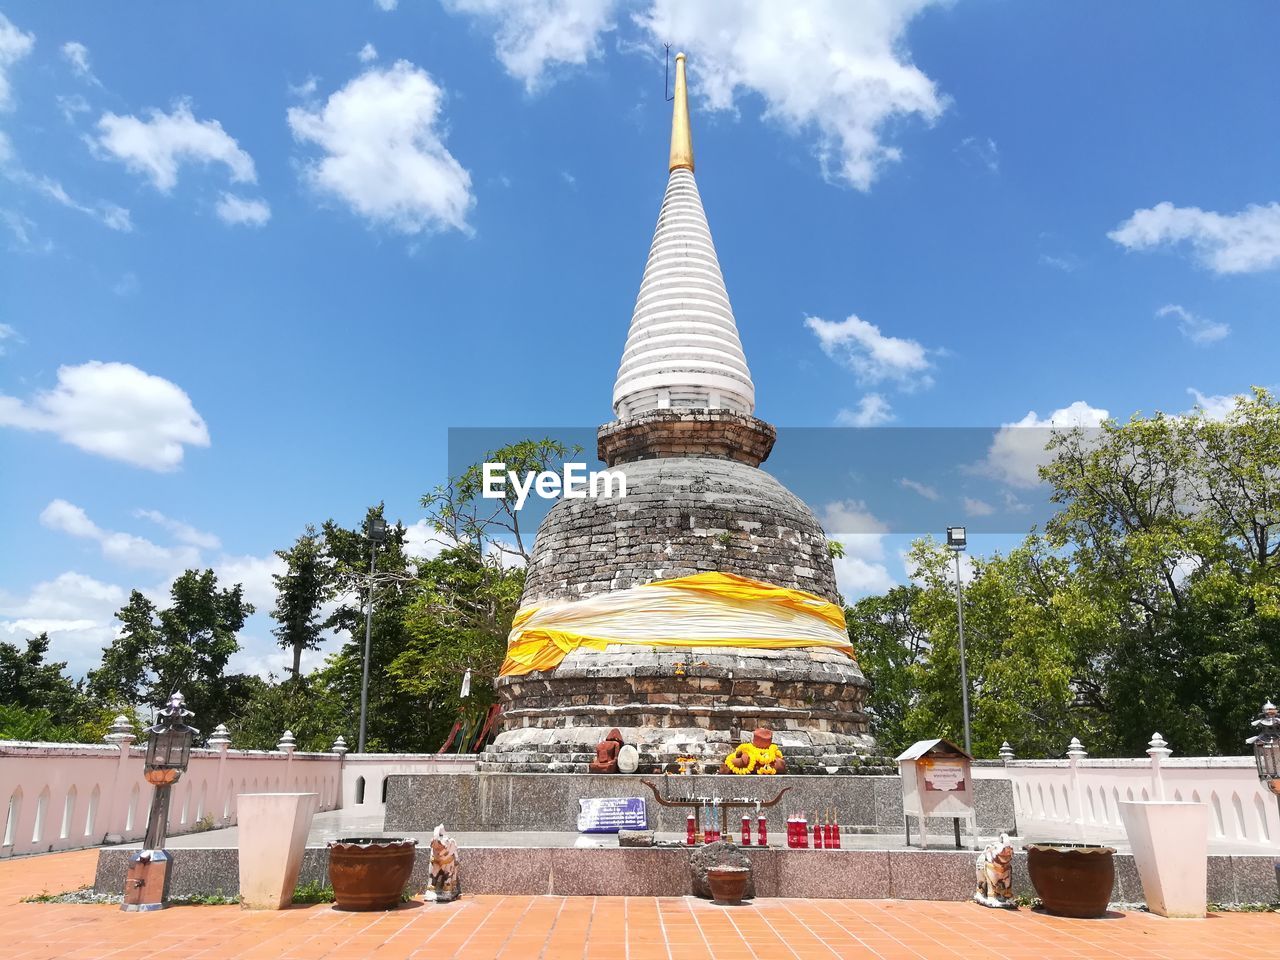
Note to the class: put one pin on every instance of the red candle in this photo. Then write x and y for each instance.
(762, 831)
(690, 829)
(837, 835)
(802, 832)
(746, 830)
(817, 836)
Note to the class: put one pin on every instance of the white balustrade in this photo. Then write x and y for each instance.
(1079, 798)
(60, 796)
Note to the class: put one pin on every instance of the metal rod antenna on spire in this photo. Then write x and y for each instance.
(666, 83)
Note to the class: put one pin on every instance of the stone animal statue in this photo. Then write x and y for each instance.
(995, 875)
(607, 750)
(445, 884)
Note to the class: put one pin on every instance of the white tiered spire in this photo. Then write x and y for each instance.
(683, 351)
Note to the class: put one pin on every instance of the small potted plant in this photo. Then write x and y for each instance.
(370, 873)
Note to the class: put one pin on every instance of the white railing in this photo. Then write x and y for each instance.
(56, 796)
(1078, 799)
(364, 775)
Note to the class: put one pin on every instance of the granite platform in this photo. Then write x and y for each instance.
(557, 865)
(530, 801)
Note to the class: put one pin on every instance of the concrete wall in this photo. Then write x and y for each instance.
(525, 801)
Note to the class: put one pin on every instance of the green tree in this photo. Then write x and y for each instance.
(28, 680)
(300, 591)
(892, 650)
(185, 646)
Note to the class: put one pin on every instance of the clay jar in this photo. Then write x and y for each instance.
(728, 884)
(370, 873)
(1072, 880)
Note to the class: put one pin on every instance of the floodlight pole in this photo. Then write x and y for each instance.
(376, 531)
(956, 542)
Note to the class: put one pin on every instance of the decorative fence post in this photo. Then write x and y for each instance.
(1157, 750)
(288, 743)
(1075, 753)
(1006, 752)
(221, 741)
(121, 734)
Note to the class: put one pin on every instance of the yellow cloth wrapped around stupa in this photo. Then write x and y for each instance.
(703, 610)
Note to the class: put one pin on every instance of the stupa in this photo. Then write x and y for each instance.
(703, 604)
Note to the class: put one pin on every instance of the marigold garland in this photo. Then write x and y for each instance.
(759, 760)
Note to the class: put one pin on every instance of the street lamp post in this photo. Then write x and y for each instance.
(956, 542)
(168, 753)
(377, 532)
(1266, 751)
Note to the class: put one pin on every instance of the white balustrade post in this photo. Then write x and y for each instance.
(121, 734)
(1006, 752)
(1075, 753)
(288, 743)
(341, 749)
(1157, 750)
(220, 741)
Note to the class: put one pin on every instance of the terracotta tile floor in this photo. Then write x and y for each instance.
(551, 928)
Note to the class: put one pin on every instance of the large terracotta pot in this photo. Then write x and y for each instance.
(1072, 879)
(370, 873)
(728, 884)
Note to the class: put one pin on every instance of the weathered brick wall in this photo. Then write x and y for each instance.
(681, 516)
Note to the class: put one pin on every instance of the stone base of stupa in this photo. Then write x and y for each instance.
(684, 702)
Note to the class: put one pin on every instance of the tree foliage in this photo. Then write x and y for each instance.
(1150, 602)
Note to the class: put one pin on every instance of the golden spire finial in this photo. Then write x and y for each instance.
(681, 139)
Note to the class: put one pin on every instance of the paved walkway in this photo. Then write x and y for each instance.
(587, 928)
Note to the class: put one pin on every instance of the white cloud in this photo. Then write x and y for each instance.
(108, 214)
(115, 410)
(531, 36)
(384, 155)
(8, 332)
(856, 577)
(1244, 242)
(981, 150)
(245, 211)
(1017, 451)
(926, 491)
(22, 229)
(77, 54)
(117, 546)
(254, 574)
(977, 508)
(873, 410)
(368, 53)
(183, 532)
(72, 105)
(78, 613)
(305, 89)
(1198, 330)
(873, 356)
(423, 542)
(861, 570)
(1067, 263)
(14, 46)
(1215, 407)
(157, 147)
(387, 5)
(838, 70)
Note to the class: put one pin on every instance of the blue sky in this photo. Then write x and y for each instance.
(256, 261)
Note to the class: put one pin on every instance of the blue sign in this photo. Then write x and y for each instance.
(611, 814)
